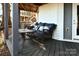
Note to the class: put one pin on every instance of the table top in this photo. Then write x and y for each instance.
(25, 30)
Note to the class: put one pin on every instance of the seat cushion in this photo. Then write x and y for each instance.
(44, 30)
(41, 28)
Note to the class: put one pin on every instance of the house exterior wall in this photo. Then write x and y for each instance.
(53, 13)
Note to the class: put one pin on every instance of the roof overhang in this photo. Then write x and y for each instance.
(33, 7)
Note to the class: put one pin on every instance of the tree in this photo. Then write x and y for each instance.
(0, 22)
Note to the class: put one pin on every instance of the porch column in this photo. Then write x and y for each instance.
(6, 17)
(15, 27)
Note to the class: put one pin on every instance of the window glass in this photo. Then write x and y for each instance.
(78, 20)
(1, 27)
(27, 18)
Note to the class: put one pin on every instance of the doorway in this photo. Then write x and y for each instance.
(68, 21)
(75, 21)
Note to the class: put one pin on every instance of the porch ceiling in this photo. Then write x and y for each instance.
(30, 6)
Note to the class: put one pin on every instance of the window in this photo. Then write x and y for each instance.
(27, 18)
(1, 27)
(78, 20)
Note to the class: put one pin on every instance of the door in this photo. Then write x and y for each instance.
(75, 22)
(68, 21)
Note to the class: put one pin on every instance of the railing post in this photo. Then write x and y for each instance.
(15, 27)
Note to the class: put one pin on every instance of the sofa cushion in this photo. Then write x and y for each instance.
(41, 28)
(45, 27)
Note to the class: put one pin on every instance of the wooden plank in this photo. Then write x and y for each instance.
(25, 51)
(30, 51)
(61, 50)
(41, 52)
(52, 49)
(67, 47)
(15, 27)
(64, 48)
(77, 49)
(57, 48)
(36, 52)
(73, 49)
(48, 46)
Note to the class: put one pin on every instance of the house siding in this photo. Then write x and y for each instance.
(53, 13)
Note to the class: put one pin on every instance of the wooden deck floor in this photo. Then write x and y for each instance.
(53, 48)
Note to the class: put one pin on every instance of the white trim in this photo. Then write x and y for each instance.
(10, 46)
(68, 40)
(60, 19)
(74, 21)
(56, 14)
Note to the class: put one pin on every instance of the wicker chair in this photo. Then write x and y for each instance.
(42, 33)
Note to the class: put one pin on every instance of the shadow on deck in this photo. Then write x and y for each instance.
(53, 48)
